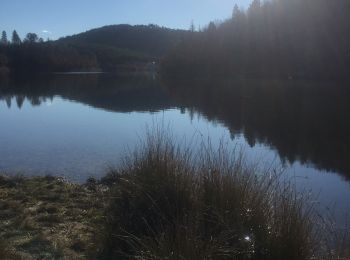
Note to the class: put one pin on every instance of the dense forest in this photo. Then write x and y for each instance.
(276, 38)
(109, 48)
(148, 40)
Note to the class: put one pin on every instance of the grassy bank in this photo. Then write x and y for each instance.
(171, 204)
(49, 218)
(164, 202)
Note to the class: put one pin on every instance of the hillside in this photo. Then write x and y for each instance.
(109, 48)
(148, 40)
(271, 39)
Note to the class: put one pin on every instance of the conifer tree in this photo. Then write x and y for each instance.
(15, 38)
(4, 38)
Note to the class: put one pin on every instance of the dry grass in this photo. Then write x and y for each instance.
(168, 203)
(164, 202)
(49, 218)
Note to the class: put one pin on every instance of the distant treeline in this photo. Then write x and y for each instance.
(108, 48)
(276, 38)
(32, 54)
(283, 38)
(150, 40)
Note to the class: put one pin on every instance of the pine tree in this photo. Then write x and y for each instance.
(236, 12)
(4, 38)
(15, 38)
(254, 7)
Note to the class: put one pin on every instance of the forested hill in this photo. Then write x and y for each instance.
(110, 48)
(275, 38)
(149, 40)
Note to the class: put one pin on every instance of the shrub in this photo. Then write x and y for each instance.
(168, 203)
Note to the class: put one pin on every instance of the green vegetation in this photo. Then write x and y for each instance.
(148, 40)
(277, 38)
(110, 48)
(35, 57)
(165, 202)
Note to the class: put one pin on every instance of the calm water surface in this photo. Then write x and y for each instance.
(79, 125)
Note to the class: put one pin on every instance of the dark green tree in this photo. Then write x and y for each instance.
(4, 38)
(277, 38)
(31, 38)
(15, 38)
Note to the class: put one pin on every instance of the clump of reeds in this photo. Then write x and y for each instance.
(168, 203)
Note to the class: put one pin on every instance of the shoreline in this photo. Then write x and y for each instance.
(165, 202)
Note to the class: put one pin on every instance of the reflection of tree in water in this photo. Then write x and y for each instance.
(33, 100)
(303, 121)
(122, 94)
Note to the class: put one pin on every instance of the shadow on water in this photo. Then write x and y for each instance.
(302, 120)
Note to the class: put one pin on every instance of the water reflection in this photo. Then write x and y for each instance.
(120, 94)
(303, 121)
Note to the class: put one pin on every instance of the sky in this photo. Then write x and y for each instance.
(56, 18)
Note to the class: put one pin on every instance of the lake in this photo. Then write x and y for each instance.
(77, 126)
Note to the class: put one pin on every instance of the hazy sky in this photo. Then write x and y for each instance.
(56, 18)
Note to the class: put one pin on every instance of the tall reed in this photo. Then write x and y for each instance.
(168, 202)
